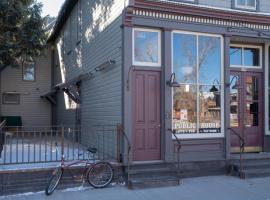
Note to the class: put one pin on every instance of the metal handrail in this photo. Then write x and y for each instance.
(179, 146)
(242, 148)
(128, 154)
(3, 123)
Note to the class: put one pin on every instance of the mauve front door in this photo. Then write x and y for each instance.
(246, 116)
(146, 115)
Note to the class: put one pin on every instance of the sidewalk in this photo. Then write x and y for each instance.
(208, 188)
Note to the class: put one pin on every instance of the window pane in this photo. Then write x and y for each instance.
(234, 101)
(185, 109)
(251, 3)
(210, 111)
(252, 105)
(252, 90)
(252, 57)
(146, 46)
(185, 58)
(235, 56)
(241, 2)
(209, 60)
(29, 71)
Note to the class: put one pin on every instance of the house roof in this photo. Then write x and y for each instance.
(62, 18)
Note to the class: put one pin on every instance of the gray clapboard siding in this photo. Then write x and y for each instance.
(101, 40)
(33, 110)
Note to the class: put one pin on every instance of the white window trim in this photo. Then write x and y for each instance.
(246, 6)
(146, 64)
(203, 135)
(266, 82)
(4, 102)
(248, 46)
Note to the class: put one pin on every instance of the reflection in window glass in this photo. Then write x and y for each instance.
(234, 101)
(209, 60)
(235, 56)
(210, 111)
(185, 57)
(29, 71)
(251, 57)
(185, 109)
(146, 46)
(252, 97)
(246, 4)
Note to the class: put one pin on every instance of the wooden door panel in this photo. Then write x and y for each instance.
(146, 124)
(140, 102)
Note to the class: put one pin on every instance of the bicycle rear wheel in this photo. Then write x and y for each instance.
(54, 180)
(100, 175)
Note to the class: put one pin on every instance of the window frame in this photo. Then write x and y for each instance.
(10, 102)
(35, 68)
(146, 64)
(243, 46)
(267, 89)
(250, 8)
(199, 135)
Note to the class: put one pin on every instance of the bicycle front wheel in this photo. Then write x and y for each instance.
(54, 180)
(100, 175)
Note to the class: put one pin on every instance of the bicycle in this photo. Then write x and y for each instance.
(98, 174)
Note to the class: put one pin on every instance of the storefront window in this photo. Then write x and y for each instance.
(197, 100)
(146, 47)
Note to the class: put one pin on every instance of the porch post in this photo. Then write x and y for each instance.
(127, 85)
(227, 41)
(167, 48)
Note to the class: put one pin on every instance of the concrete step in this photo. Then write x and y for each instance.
(255, 173)
(252, 168)
(152, 173)
(150, 166)
(161, 181)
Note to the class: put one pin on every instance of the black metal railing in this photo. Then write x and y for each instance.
(24, 145)
(241, 148)
(179, 146)
(128, 154)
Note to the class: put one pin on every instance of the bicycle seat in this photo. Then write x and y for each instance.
(92, 149)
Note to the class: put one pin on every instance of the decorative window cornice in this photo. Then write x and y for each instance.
(199, 20)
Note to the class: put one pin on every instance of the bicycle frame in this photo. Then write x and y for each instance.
(87, 165)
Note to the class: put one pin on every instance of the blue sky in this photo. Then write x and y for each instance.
(51, 7)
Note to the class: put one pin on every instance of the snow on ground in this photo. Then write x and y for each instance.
(43, 150)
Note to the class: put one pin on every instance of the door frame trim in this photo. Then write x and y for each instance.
(266, 84)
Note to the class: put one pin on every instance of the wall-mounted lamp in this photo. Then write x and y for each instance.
(105, 65)
(172, 82)
(214, 89)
